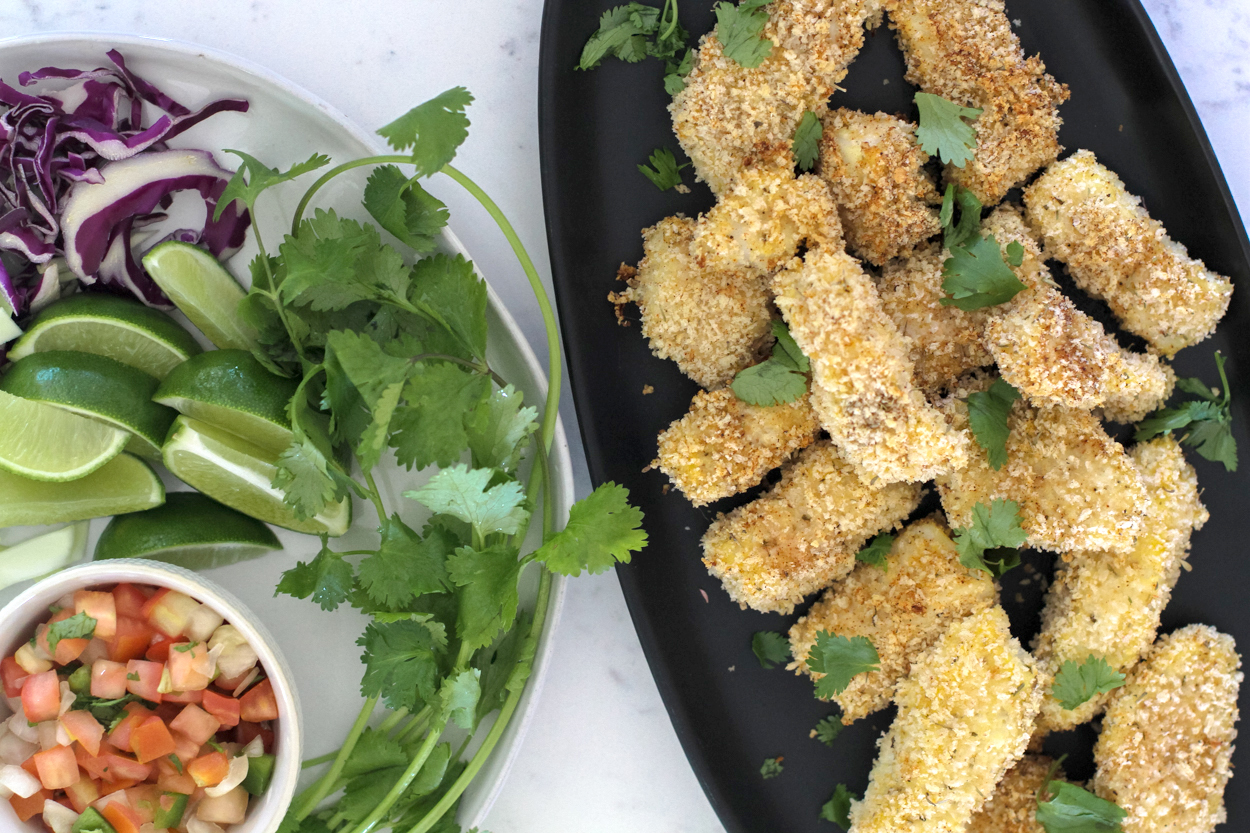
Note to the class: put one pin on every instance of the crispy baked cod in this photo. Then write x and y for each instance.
(1013, 807)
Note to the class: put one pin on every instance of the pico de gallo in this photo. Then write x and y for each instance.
(137, 709)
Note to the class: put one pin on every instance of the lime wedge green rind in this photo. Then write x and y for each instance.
(123, 484)
(239, 474)
(206, 293)
(119, 328)
(43, 555)
(190, 530)
(231, 390)
(44, 442)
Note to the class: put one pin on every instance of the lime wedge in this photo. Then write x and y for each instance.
(44, 442)
(229, 389)
(237, 473)
(123, 484)
(205, 292)
(190, 530)
(43, 555)
(121, 329)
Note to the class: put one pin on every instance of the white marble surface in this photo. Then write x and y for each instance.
(601, 755)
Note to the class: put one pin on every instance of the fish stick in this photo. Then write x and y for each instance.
(723, 446)
(1116, 252)
(1013, 807)
(902, 610)
(1108, 605)
(1075, 486)
(965, 715)
(965, 51)
(1165, 751)
(804, 532)
(875, 170)
(862, 375)
(732, 307)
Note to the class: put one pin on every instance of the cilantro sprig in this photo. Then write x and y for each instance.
(779, 378)
(389, 345)
(838, 808)
(993, 540)
(806, 144)
(634, 32)
(876, 550)
(1208, 418)
(944, 130)
(1077, 682)
(840, 659)
(1070, 809)
(771, 768)
(740, 30)
(988, 413)
(976, 275)
(78, 626)
(664, 172)
(828, 729)
(770, 648)
(958, 233)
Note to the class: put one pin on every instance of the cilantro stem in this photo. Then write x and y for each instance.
(398, 788)
(308, 800)
(375, 496)
(415, 727)
(672, 24)
(335, 171)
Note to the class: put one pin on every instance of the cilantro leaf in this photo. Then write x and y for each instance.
(497, 428)
(840, 659)
(1211, 419)
(404, 208)
(333, 262)
(405, 566)
(401, 664)
(373, 751)
(838, 808)
(675, 73)
(603, 528)
(987, 416)
(828, 729)
(993, 528)
(1074, 810)
(739, 30)
(771, 768)
(433, 131)
(488, 592)
(430, 428)
(664, 172)
(460, 695)
(327, 579)
(943, 130)
(500, 663)
(806, 144)
(306, 471)
(770, 648)
(876, 551)
(448, 289)
(466, 494)
(1078, 682)
(78, 626)
(958, 234)
(779, 378)
(786, 349)
(253, 177)
(623, 32)
(976, 276)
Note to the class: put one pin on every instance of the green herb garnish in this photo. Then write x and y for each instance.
(1209, 419)
(944, 130)
(779, 378)
(664, 172)
(770, 648)
(988, 412)
(840, 659)
(876, 551)
(995, 531)
(806, 144)
(1078, 682)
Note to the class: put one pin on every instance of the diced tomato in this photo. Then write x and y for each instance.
(92, 765)
(169, 611)
(158, 651)
(167, 711)
(67, 650)
(196, 724)
(57, 767)
(152, 740)
(259, 703)
(135, 715)
(170, 779)
(123, 819)
(41, 697)
(13, 675)
(110, 787)
(84, 728)
(231, 683)
(28, 808)
(190, 668)
(209, 770)
(129, 601)
(131, 641)
(81, 794)
(225, 709)
(196, 697)
(101, 607)
(188, 750)
(247, 731)
(108, 679)
(144, 799)
(152, 601)
(123, 768)
(148, 684)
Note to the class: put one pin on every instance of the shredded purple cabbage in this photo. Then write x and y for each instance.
(56, 145)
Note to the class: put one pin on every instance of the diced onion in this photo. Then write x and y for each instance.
(255, 748)
(14, 750)
(195, 824)
(237, 656)
(238, 772)
(48, 734)
(18, 781)
(67, 698)
(96, 649)
(66, 602)
(247, 681)
(59, 817)
(202, 623)
(20, 726)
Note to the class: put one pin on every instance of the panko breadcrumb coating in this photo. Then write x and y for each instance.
(729, 118)
(1076, 488)
(902, 610)
(945, 340)
(760, 222)
(964, 718)
(875, 169)
(1116, 252)
(1055, 354)
(723, 446)
(1164, 755)
(1108, 605)
(965, 51)
(804, 532)
(862, 385)
(671, 291)
(1013, 807)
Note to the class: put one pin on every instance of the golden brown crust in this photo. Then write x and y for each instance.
(804, 532)
(1013, 807)
(723, 446)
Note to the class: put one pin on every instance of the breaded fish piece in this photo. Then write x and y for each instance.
(1108, 605)
(671, 290)
(804, 532)
(1013, 807)
(946, 342)
(729, 118)
(1055, 354)
(1164, 755)
(965, 51)
(762, 219)
(723, 446)
(875, 170)
(902, 610)
(862, 374)
(1076, 488)
(1116, 252)
(964, 718)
